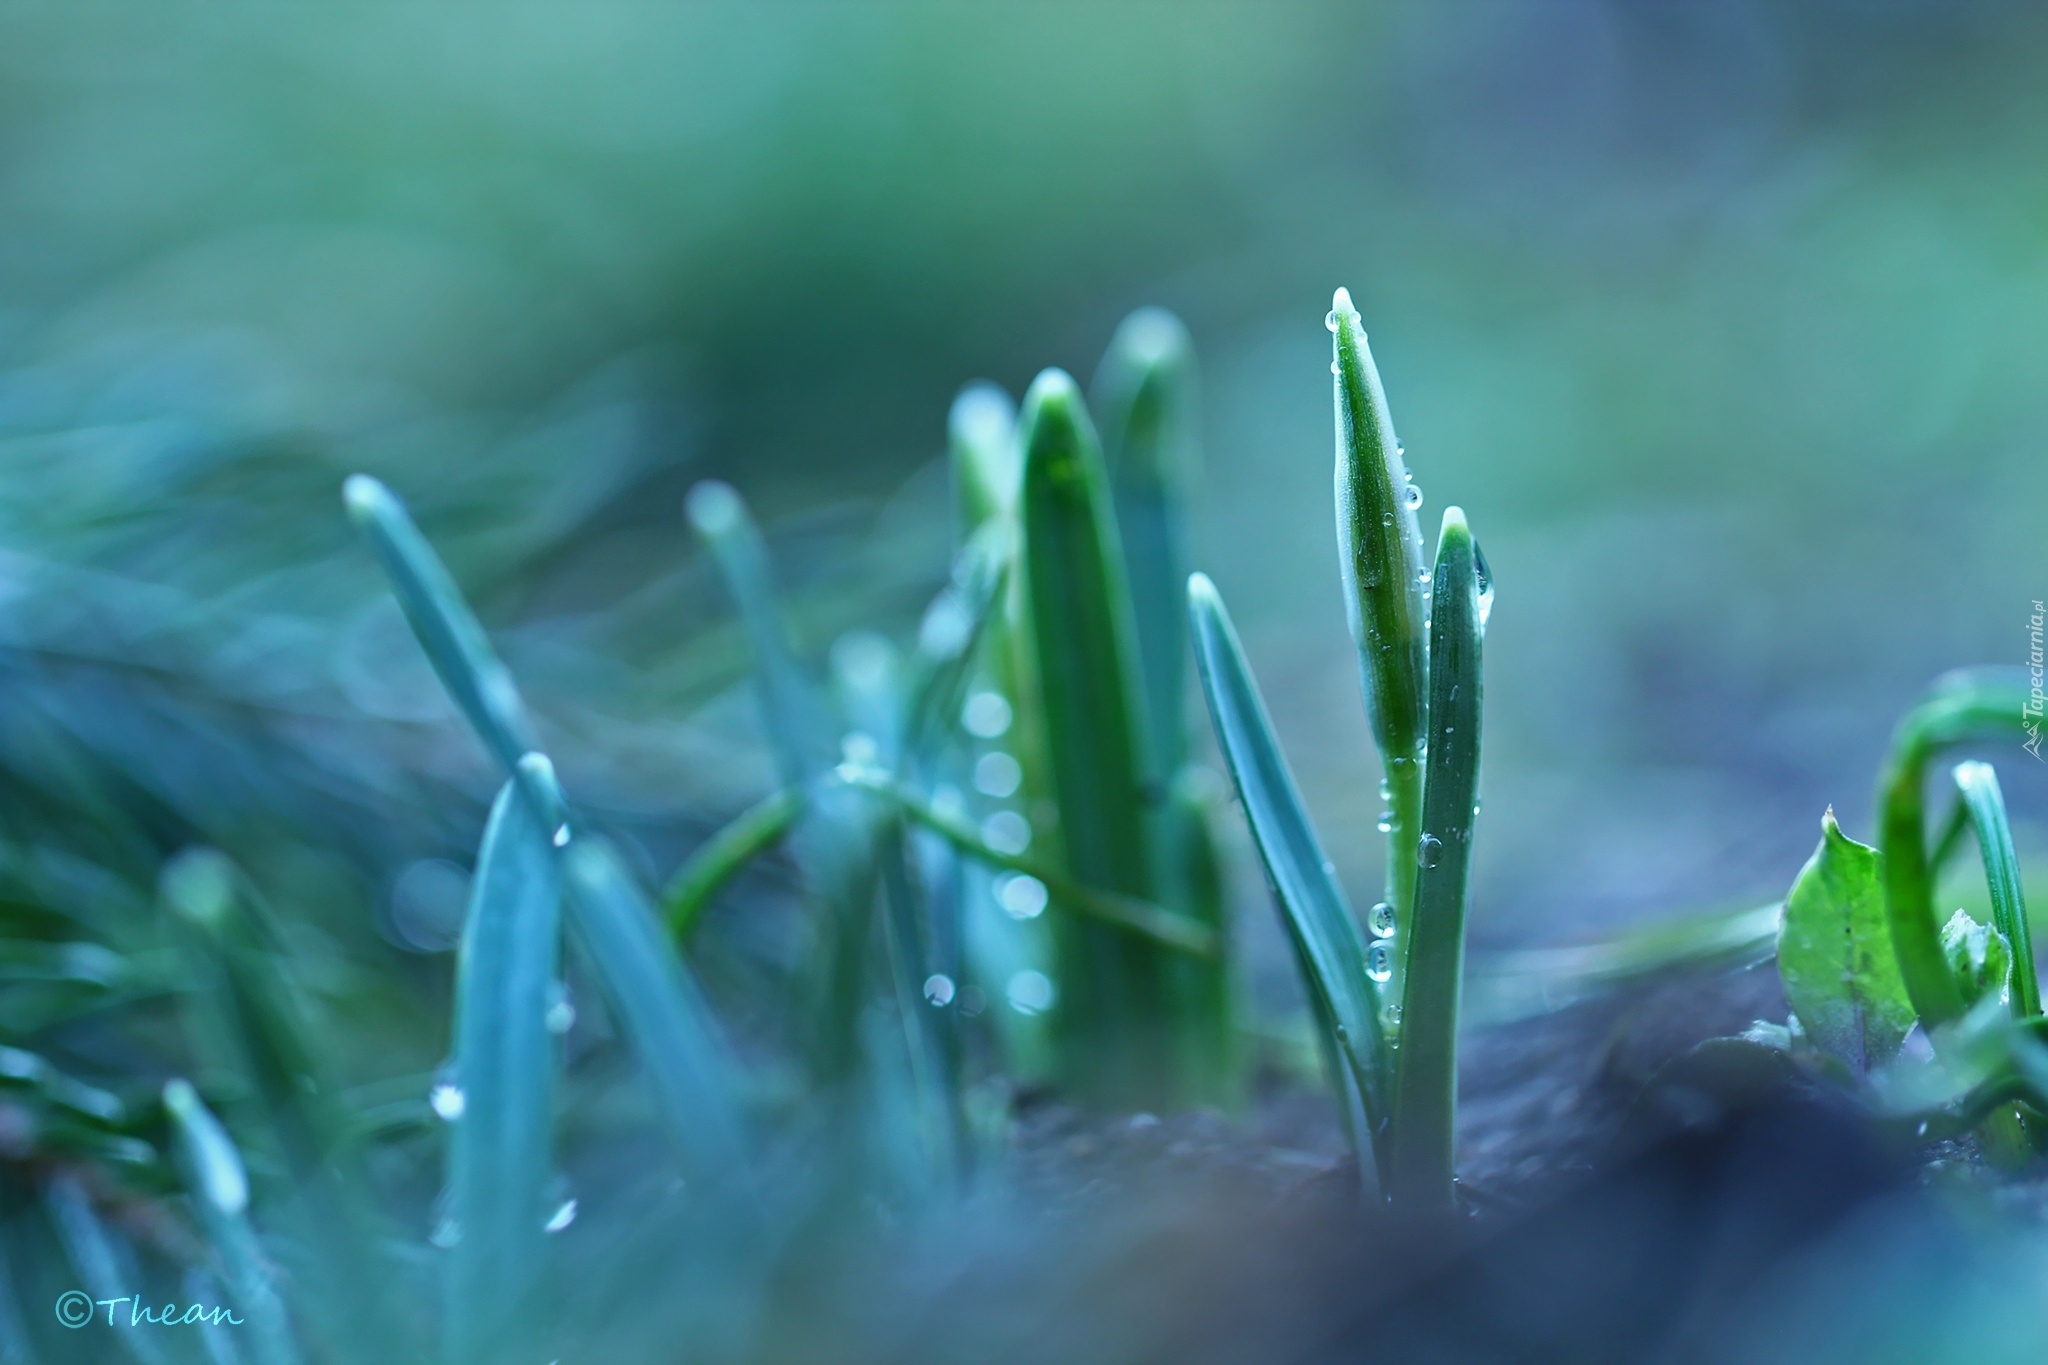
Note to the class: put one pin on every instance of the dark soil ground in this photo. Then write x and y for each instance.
(1599, 1226)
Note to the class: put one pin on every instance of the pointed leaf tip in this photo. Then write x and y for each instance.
(714, 507)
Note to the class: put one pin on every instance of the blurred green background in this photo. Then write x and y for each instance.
(1727, 322)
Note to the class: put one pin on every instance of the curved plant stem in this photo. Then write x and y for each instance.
(1978, 784)
(1965, 705)
(1131, 914)
(719, 859)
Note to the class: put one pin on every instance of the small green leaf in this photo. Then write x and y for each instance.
(1835, 955)
(219, 1188)
(1327, 944)
(455, 643)
(1978, 957)
(500, 1152)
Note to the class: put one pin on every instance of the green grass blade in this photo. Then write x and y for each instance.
(1978, 784)
(925, 1001)
(950, 635)
(1144, 397)
(981, 439)
(219, 1189)
(247, 1017)
(1380, 552)
(1210, 1036)
(670, 1028)
(1113, 1024)
(1968, 705)
(719, 859)
(1327, 943)
(104, 1264)
(500, 1149)
(31, 1072)
(454, 642)
(1426, 1084)
(14, 1338)
(803, 733)
(1126, 914)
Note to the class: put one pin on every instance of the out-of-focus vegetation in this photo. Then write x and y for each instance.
(1734, 311)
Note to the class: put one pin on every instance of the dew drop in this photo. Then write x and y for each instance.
(1485, 577)
(447, 1101)
(1412, 495)
(1379, 961)
(1393, 1016)
(1381, 920)
(1430, 851)
(1021, 896)
(1330, 320)
(1030, 992)
(1386, 822)
(1006, 832)
(1335, 368)
(561, 836)
(997, 774)
(986, 715)
(938, 989)
(561, 1015)
(562, 1216)
(1386, 518)
(1386, 790)
(1422, 577)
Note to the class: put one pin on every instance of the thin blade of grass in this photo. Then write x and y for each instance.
(14, 1339)
(449, 632)
(1143, 396)
(949, 638)
(981, 439)
(1328, 946)
(1114, 1025)
(104, 1263)
(1129, 914)
(800, 729)
(248, 1019)
(672, 1033)
(1978, 784)
(719, 859)
(500, 1149)
(1967, 705)
(219, 1190)
(1426, 1078)
(1380, 554)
